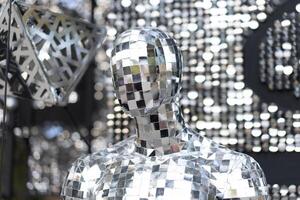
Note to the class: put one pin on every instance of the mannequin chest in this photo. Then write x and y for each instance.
(185, 177)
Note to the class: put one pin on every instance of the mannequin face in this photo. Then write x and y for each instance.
(146, 66)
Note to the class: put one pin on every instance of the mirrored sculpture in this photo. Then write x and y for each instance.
(49, 52)
(166, 159)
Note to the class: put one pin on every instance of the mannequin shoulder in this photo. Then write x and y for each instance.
(87, 171)
(230, 161)
(83, 175)
(245, 178)
(100, 160)
(237, 175)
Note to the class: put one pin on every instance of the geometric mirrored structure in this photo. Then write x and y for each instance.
(49, 52)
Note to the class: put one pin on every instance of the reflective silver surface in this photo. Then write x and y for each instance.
(215, 99)
(279, 54)
(146, 66)
(52, 149)
(166, 160)
(50, 52)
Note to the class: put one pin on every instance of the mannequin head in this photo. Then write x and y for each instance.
(146, 66)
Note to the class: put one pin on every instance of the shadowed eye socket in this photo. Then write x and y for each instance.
(156, 95)
(157, 69)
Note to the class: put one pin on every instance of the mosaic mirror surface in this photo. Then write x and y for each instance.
(50, 52)
(215, 97)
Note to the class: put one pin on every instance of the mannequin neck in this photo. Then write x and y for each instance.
(160, 133)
